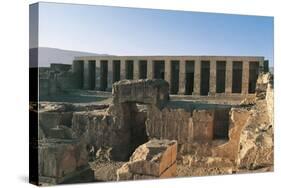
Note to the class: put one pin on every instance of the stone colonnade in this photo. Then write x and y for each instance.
(186, 75)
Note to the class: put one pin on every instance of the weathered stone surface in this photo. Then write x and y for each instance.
(170, 172)
(186, 124)
(203, 123)
(195, 165)
(105, 170)
(173, 124)
(238, 119)
(154, 92)
(154, 159)
(113, 129)
(124, 173)
(107, 135)
(60, 158)
(256, 140)
(264, 81)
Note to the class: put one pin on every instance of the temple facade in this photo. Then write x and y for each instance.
(186, 75)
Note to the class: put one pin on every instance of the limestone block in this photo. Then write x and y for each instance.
(153, 158)
(59, 158)
(124, 173)
(167, 123)
(203, 123)
(141, 91)
(170, 172)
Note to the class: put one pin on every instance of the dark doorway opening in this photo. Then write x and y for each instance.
(237, 77)
(129, 68)
(221, 124)
(116, 71)
(189, 83)
(78, 68)
(253, 76)
(205, 77)
(135, 115)
(142, 69)
(159, 69)
(103, 74)
(174, 77)
(92, 71)
(220, 76)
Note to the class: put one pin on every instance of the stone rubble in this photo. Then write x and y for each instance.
(145, 135)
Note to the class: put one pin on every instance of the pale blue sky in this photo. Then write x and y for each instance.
(131, 31)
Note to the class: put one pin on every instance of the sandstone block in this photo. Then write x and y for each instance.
(153, 158)
(145, 91)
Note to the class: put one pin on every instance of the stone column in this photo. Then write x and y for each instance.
(228, 77)
(136, 69)
(150, 69)
(86, 75)
(197, 77)
(261, 66)
(98, 75)
(122, 69)
(245, 77)
(109, 73)
(182, 77)
(168, 71)
(213, 75)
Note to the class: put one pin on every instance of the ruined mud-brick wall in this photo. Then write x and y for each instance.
(62, 152)
(101, 129)
(186, 124)
(270, 98)
(179, 124)
(257, 137)
(251, 134)
(190, 127)
(237, 120)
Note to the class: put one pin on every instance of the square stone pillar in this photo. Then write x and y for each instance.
(245, 77)
(150, 69)
(136, 69)
(261, 66)
(182, 77)
(197, 77)
(168, 71)
(86, 75)
(98, 75)
(228, 77)
(109, 73)
(213, 75)
(122, 69)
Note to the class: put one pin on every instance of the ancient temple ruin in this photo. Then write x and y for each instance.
(144, 132)
(186, 75)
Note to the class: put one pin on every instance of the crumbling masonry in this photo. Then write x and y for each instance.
(143, 134)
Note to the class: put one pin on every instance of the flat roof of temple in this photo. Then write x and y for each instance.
(168, 57)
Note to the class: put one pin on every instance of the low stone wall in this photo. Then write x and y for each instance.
(179, 124)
